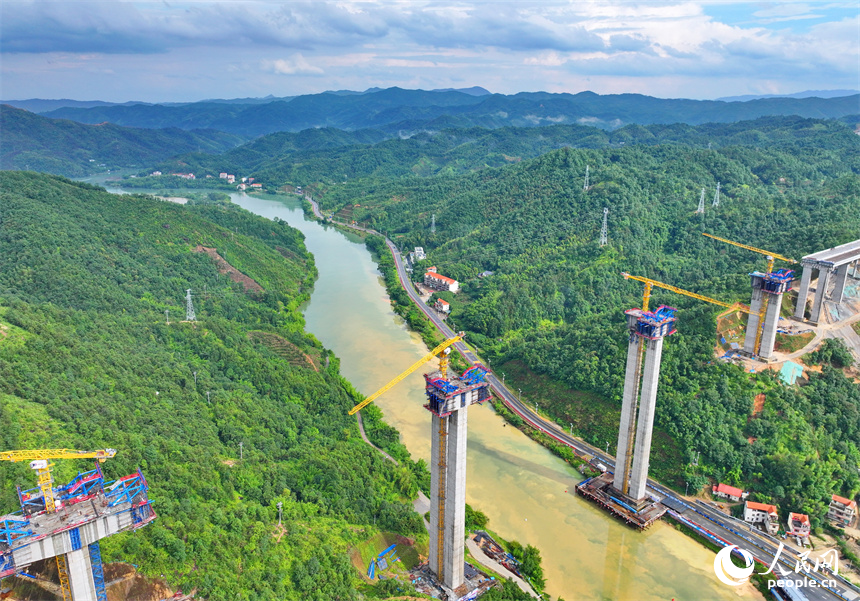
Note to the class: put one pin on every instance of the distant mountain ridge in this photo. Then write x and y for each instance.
(804, 94)
(396, 109)
(38, 143)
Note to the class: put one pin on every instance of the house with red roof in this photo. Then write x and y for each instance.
(798, 525)
(724, 491)
(442, 306)
(437, 281)
(842, 511)
(762, 515)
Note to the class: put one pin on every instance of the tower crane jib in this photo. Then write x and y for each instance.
(435, 352)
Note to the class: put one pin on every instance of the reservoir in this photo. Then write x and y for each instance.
(525, 490)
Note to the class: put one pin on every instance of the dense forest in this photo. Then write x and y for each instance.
(87, 360)
(326, 157)
(553, 309)
(63, 147)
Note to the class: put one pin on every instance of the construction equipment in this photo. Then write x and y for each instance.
(771, 256)
(649, 283)
(40, 461)
(443, 366)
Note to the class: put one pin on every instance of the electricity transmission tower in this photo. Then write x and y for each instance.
(189, 307)
(604, 231)
(701, 208)
(433, 224)
(585, 185)
(717, 196)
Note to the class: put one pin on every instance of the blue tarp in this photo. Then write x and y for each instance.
(790, 372)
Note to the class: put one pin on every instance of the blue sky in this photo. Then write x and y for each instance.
(192, 50)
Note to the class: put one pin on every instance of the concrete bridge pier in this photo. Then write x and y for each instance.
(645, 427)
(841, 279)
(771, 322)
(81, 579)
(805, 279)
(628, 412)
(753, 318)
(820, 292)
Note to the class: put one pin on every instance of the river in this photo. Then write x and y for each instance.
(524, 489)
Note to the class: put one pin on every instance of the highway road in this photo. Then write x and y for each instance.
(762, 546)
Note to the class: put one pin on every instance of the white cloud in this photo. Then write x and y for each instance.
(656, 47)
(295, 65)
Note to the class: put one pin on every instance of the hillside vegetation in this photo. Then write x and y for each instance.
(554, 306)
(331, 156)
(88, 361)
(72, 149)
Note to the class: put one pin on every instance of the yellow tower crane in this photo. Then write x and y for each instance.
(770, 259)
(770, 255)
(649, 283)
(40, 461)
(443, 367)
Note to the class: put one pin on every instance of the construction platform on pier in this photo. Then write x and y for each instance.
(640, 515)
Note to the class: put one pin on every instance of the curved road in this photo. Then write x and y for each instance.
(763, 547)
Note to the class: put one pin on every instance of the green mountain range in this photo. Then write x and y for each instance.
(68, 148)
(396, 110)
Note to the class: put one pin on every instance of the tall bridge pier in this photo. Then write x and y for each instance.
(448, 399)
(833, 262)
(645, 346)
(767, 291)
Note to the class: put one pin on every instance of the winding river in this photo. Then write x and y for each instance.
(524, 489)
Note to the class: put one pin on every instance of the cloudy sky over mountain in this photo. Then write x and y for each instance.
(191, 50)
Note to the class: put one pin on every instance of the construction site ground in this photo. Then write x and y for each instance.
(837, 321)
(122, 583)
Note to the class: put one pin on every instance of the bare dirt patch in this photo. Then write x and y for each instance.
(758, 405)
(225, 268)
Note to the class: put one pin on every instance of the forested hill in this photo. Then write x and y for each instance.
(330, 156)
(554, 305)
(396, 110)
(72, 149)
(87, 361)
